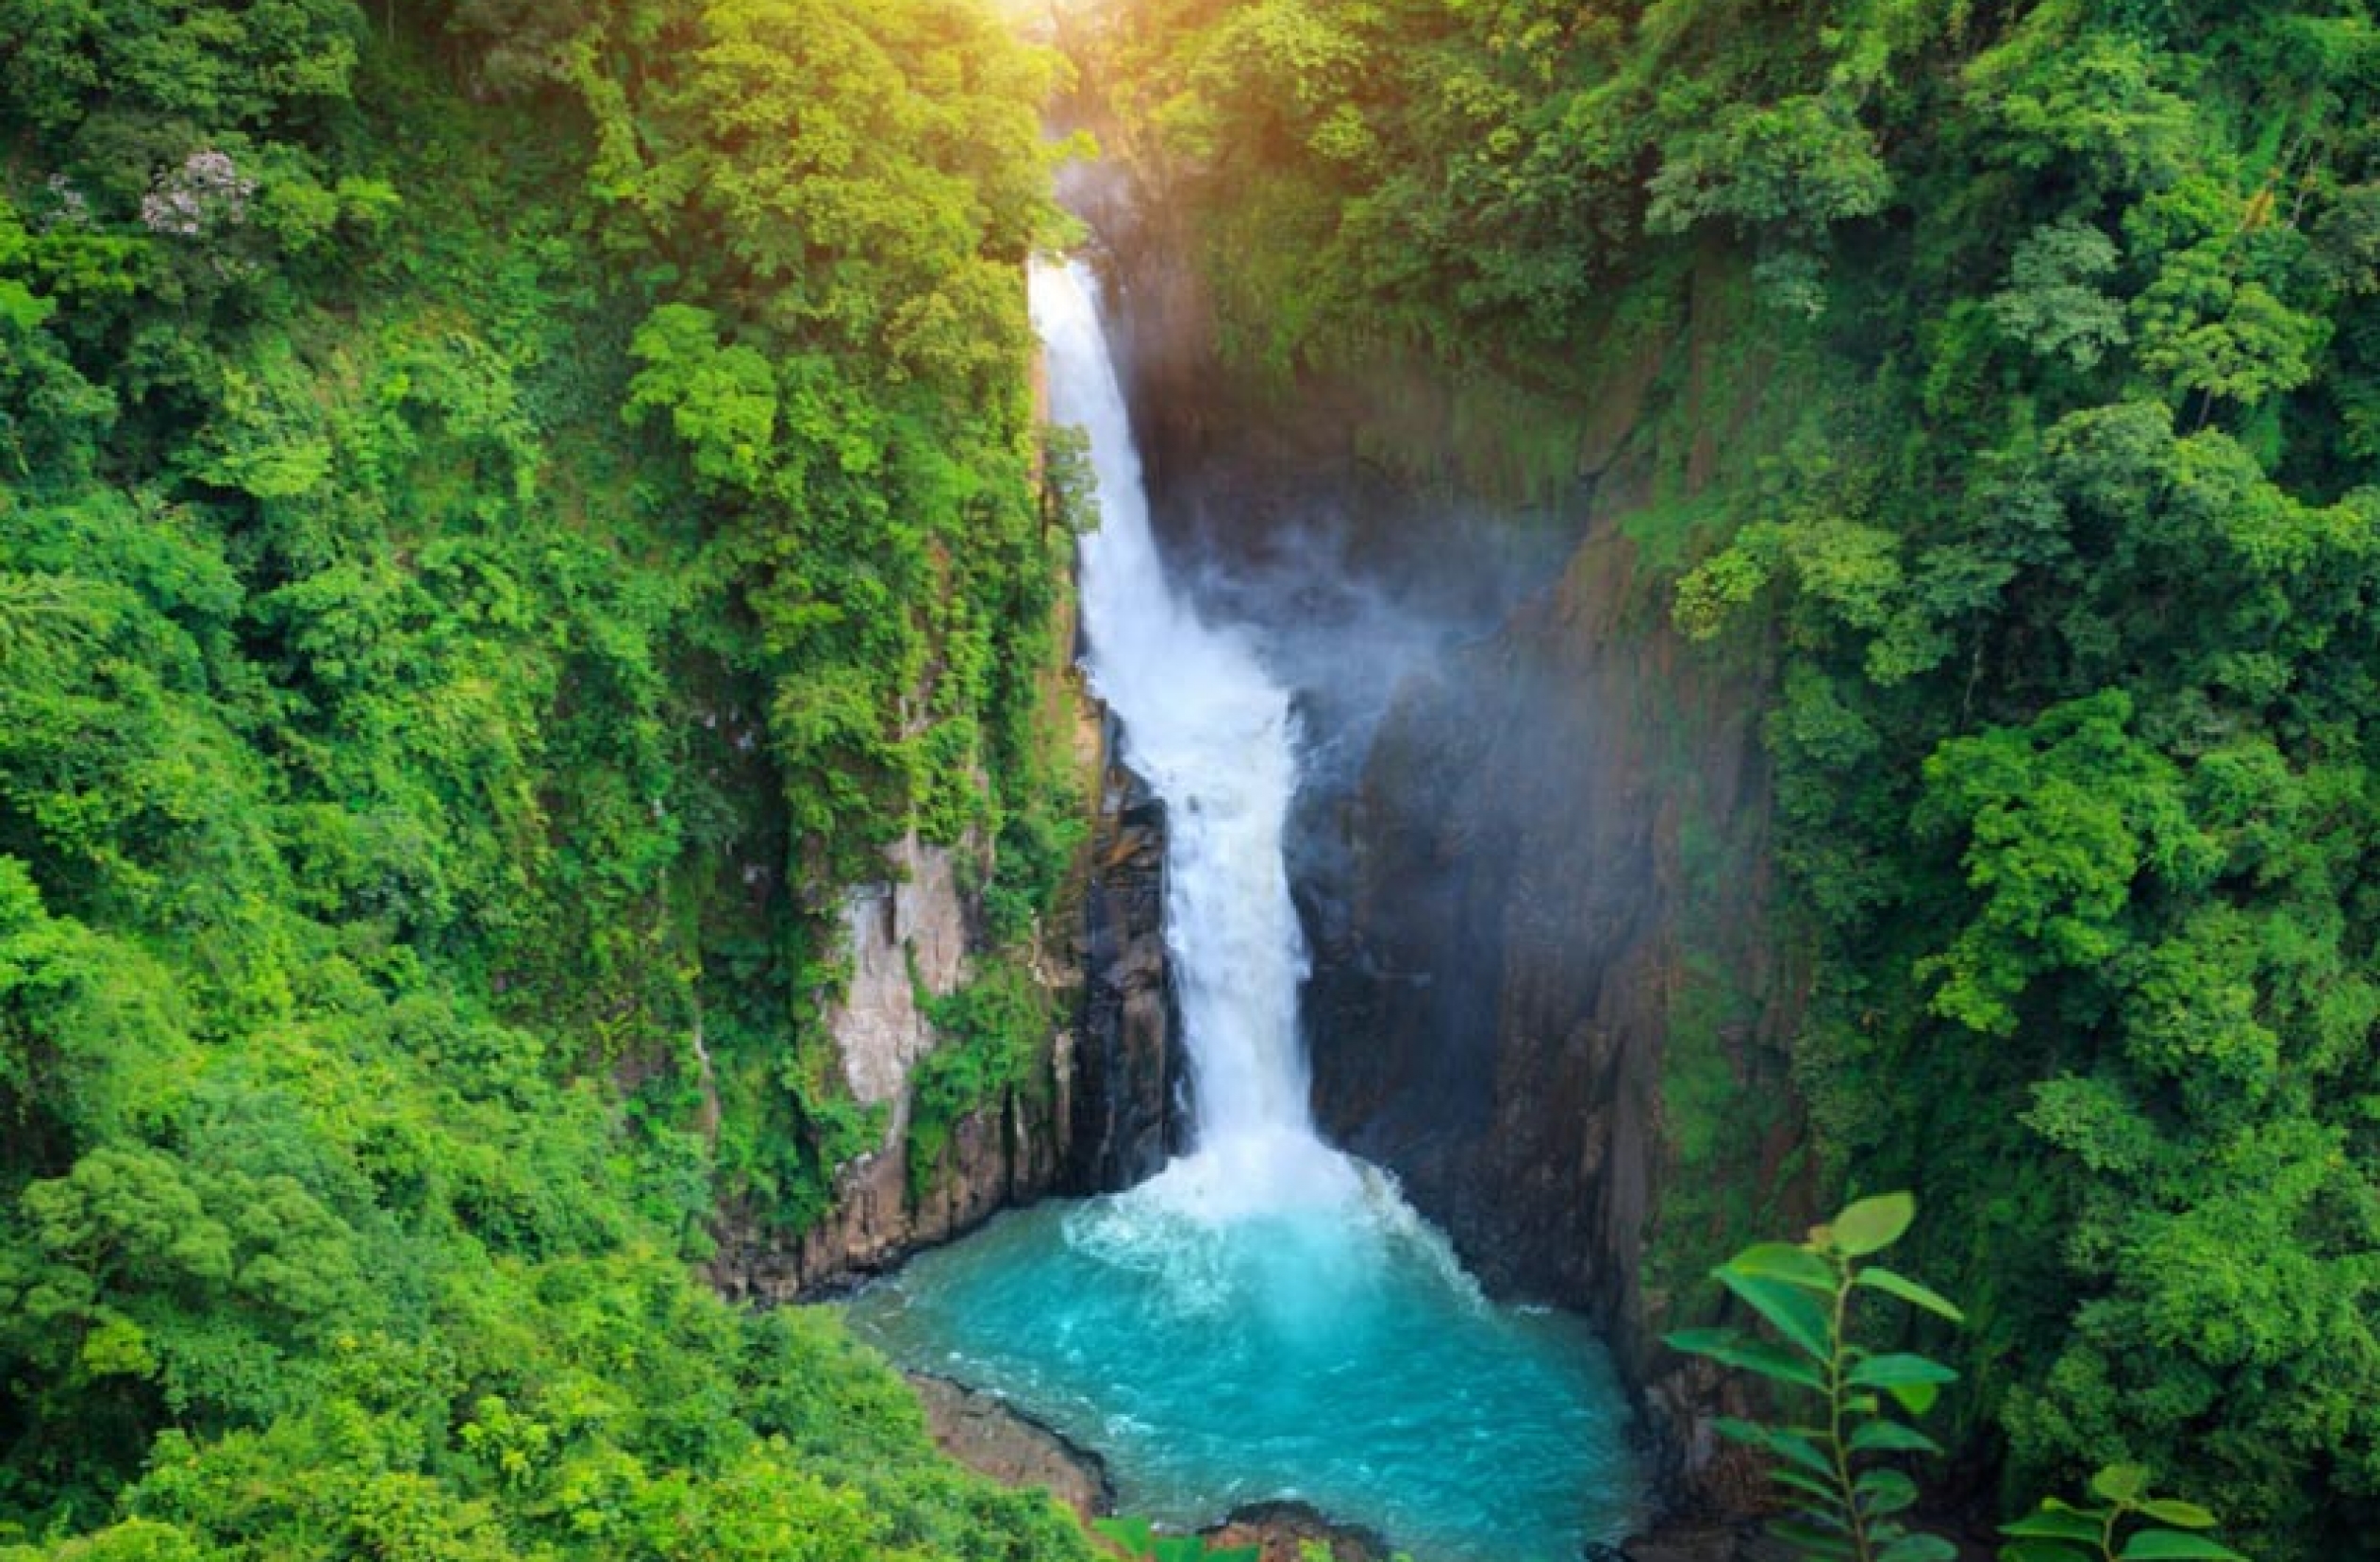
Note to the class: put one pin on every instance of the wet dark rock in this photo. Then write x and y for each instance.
(1127, 1068)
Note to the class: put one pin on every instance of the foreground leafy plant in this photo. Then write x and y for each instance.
(1845, 1502)
(1140, 1540)
(2062, 1532)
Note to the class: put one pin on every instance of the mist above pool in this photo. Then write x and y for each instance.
(1329, 1351)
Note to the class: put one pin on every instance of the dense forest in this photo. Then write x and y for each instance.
(2049, 512)
(503, 508)
(508, 505)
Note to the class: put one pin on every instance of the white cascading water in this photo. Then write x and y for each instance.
(1212, 734)
(1266, 1317)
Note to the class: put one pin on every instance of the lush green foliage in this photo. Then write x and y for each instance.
(2126, 1524)
(2047, 483)
(1836, 1472)
(996, 1034)
(502, 507)
(1807, 1292)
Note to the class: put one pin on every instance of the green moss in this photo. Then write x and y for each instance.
(993, 1043)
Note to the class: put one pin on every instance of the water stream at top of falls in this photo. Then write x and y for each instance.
(1266, 1317)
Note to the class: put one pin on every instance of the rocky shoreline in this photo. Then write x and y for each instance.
(997, 1439)
(994, 1438)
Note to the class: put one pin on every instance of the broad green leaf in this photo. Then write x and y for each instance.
(2165, 1545)
(1871, 1226)
(1181, 1548)
(2167, 1510)
(2121, 1483)
(1771, 1361)
(1794, 1313)
(2042, 1551)
(1883, 1491)
(1702, 1341)
(1767, 1360)
(1795, 1265)
(2056, 1526)
(1782, 1441)
(1916, 1398)
(1133, 1534)
(1895, 1368)
(1884, 1437)
(1809, 1485)
(1792, 1445)
(1910, 1291)
(1237, 1553)
(1918, 1548)
(1911, 1389)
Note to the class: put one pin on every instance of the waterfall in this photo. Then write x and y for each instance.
(1265, 1318)
(1212, 734)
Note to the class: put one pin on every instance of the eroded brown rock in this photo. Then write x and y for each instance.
(1282, 1531)
(989, 1436)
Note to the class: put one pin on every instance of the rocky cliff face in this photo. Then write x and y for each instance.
(1099, 1117)
(905, 938)
(1128, 1071)
(1553, 1007)
(1006, 1153)
(1537, 911)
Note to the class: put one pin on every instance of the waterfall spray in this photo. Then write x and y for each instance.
(1211, 732)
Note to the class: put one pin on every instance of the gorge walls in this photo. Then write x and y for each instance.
(1549, 989)
(1554, 885)
(1549, 992)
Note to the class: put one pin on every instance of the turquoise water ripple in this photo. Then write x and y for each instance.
(1347, 1363)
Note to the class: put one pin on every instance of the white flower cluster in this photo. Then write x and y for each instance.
(208, 187)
